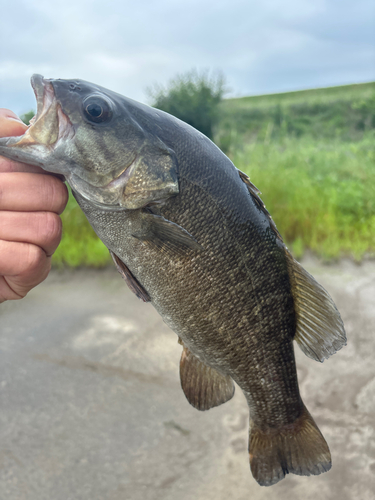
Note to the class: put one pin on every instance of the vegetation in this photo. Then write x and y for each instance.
(193, 97)
(26, 117)
(345, 113)
(320, 193)
(312, 155)
(79, 246)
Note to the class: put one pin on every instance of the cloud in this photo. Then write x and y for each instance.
(261, 47)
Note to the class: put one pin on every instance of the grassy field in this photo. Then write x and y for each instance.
(320, 193)
(345, 112)
(79, 246)
(311, 153)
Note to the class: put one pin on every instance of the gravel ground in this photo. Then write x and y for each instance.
(92, 409)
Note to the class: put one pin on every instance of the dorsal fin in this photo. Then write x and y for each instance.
(203, 386)
(254, 192)
(319, 328)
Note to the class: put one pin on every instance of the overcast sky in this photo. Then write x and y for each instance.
(261, 46)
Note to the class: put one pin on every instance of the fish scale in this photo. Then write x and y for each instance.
(234, 275)
(189, 233)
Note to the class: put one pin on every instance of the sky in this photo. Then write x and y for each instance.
(261, 47)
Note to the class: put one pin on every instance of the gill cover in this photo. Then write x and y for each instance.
(152, 177)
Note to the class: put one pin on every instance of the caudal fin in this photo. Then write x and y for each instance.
(297, 448)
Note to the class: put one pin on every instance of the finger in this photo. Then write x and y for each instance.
(22, 267)
(7, 165)
(39, 228)
(10, 124)
(27, 192)
(6, 292)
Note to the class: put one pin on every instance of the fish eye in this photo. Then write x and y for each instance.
(97, 109)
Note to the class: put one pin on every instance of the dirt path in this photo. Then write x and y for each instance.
(91, 406)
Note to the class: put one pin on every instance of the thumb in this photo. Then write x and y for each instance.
(10, 124)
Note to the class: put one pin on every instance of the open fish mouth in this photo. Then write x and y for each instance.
(91, 139)
(50, 124)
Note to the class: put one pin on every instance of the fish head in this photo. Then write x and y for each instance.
(100, 141)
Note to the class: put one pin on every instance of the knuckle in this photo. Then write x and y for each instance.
(7, 165)
(56, 194)
(64, 197)
(34, 258)
(46, 269)
(50, 228)
(48, 190)
(1, 192)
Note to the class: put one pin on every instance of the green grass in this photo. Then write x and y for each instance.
(320, 193)
(79, 245)
(338, 112)
(311, 153)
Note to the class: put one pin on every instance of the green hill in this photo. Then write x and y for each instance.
(345, 112)
(311, 153)
(312, 96)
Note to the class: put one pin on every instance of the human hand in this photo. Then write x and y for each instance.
(30, 227)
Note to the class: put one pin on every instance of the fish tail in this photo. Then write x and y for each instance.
(297, 448)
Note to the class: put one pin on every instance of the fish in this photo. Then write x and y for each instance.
(189, 233)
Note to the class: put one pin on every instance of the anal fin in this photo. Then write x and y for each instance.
(203, 386)
(319, 328)
(131, 281)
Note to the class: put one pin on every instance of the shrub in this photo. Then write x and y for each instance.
(192, 97)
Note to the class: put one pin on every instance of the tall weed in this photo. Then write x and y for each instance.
(321, 194)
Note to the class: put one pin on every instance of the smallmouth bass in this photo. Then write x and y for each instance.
(189, 233)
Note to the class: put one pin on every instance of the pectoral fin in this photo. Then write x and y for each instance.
(319, 328)
(203, 386)
(165, 235)
(131, 281)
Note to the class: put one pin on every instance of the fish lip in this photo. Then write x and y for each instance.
(49, 129)
(37, 83)
(49, 116)
(45, 96)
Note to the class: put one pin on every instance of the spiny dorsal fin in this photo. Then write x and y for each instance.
(131, 281)
(319, 328)
(254, 192)
(203, 386)
(165, 235)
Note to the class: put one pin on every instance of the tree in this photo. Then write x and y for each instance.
(193, 97)
(26, 117)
